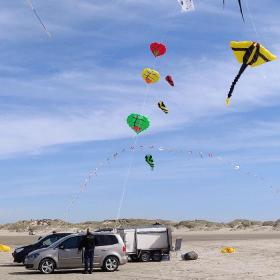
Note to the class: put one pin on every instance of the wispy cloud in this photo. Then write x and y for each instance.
(78, 87)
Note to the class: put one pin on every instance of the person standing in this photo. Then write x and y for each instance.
(88, 243)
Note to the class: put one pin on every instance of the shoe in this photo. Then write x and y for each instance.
(85, 272)
(90, 272)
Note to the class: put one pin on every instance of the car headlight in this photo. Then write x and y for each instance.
(33, 256)
(19, 250)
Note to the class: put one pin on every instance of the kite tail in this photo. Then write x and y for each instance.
(242, 69)
(241, 10)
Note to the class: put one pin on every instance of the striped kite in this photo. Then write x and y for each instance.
(150, 161)
(162, 106)
(248, 53)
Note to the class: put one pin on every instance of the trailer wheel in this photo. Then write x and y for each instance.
(156, 257)
(145, 256)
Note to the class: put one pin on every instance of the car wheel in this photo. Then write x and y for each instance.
(145, 256)
(156, 257)
(111, 264)
(47, 266)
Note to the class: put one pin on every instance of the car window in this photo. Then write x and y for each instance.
(50, 240)
(72, 242)
(106, 240)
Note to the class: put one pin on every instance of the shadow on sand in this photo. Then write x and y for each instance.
(11, 265)
(55, 272)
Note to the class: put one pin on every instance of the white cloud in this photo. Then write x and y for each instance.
(90, 101)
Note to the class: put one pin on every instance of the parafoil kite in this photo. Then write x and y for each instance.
(5, 248)
(150, 161)
(162, 106)
(169, 80)
(186, 5)
(138, 122)
(240, 8)
(158, 49)
(150, 76)
(249, 54)
(228, 250)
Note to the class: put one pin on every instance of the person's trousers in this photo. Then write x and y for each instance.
(88, 257)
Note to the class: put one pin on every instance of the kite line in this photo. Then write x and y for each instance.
(29, 2)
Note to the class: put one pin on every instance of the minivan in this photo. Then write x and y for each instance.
(109, 253)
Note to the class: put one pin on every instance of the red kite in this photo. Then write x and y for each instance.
(158, 49)
(169, 80)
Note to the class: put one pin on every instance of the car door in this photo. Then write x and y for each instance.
(104, 245)
(68, 254)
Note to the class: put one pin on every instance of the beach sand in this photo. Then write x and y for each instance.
(257, 257)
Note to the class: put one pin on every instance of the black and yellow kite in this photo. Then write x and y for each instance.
(248, 53)
(162, 106)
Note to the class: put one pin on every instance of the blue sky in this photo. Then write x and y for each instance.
(64, 103)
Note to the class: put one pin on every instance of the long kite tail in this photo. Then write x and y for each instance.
(241, 10)
(38, 17)
(242, 69)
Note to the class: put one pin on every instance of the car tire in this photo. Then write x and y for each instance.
(156, 257)
(111, 264)
(145, 256)
(47, 266)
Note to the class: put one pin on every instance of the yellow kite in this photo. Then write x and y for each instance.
(248, 53)
(5, 248)
(228, 250)
(150, 76)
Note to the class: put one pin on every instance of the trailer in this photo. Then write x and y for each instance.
(147, 243)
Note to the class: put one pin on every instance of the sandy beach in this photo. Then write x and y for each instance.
(257, 257)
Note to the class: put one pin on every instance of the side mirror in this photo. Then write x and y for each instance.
(61, 247)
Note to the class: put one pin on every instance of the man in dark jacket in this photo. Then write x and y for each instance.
(88, 242)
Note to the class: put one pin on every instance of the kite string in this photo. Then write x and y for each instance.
(125, 183)
(252, 20)
(83, 187)
(29, 2)
(94, 173)
(190, 154)
(124, 189)
(259, 36)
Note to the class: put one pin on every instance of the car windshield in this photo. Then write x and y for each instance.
(40, 241)
(48, 240)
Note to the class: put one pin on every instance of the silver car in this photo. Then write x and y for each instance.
(109, 253)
